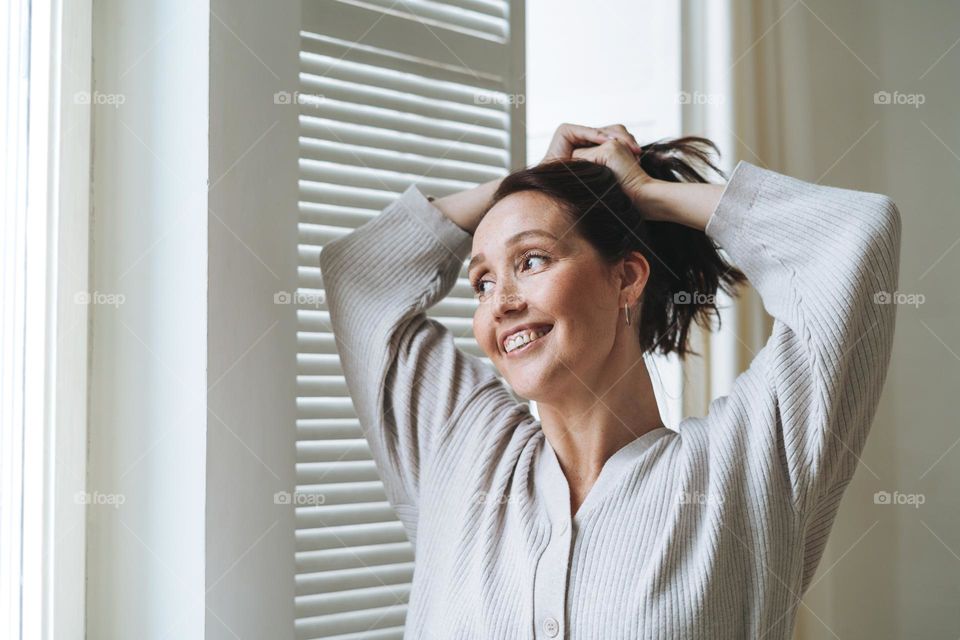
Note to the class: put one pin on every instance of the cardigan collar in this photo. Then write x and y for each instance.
(555, 490)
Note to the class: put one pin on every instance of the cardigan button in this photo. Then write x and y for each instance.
(551, 627)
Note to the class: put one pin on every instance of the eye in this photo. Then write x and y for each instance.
(530, 255)
(478, 287)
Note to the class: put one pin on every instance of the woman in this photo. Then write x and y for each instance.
(596, 521)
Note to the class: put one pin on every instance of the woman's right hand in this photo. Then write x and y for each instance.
(569, 137)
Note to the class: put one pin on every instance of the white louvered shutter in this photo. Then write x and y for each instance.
(392, 93)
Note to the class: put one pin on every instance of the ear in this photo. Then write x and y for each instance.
(635, 271)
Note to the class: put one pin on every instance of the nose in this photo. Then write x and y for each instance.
(508, 299)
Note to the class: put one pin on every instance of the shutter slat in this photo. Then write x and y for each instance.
(318, 364)
(335, 515)
(338, 58)
(342, 493)
(325, 408)
(387, 633)
(349, 579)
(332, 450)
(496, 8)
(335, 194)
(407, 38)
(357, 599)
(323, 214)
(314, 386)
(316, 343)
(316, 171)
(356, 622)
(338, 471)
(319, 88)
(372, 158)
(481, 22)
(331, 559)
(313, 127)
(328, 429)
(348, 536)
(362, 115)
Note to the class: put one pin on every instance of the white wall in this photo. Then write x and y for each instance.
(147, 426)
(251, 348)
(891, 571)
(595, 64)
(193, 372)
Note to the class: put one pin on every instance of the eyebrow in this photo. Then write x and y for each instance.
(512, 240)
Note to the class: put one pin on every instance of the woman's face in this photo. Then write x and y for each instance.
(548, 278)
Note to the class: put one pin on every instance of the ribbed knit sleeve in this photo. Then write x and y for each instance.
(825, 263)
(403, 370)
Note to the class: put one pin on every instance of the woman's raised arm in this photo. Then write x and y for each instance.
(406, 376)
(825, 262)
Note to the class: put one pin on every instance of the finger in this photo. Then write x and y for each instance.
(583, 153)
(620, 132)
(629, 141)
(579, 133)
(588, 153)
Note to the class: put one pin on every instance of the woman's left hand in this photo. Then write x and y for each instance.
(615, 155)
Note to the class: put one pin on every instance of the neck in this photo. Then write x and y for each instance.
(604, 412)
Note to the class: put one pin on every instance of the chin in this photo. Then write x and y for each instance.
(527, 388)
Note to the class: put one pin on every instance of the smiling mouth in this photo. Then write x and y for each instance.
(530, 345)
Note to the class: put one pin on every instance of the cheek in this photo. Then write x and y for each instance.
(581, 300)
(564, 294)
(483, 331)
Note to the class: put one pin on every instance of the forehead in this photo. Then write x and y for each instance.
(517, 213)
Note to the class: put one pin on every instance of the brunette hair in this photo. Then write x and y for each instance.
(686, 271)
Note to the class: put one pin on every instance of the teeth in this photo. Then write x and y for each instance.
(524, 337)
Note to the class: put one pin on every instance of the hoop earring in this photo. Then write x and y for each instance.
(626, 310)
